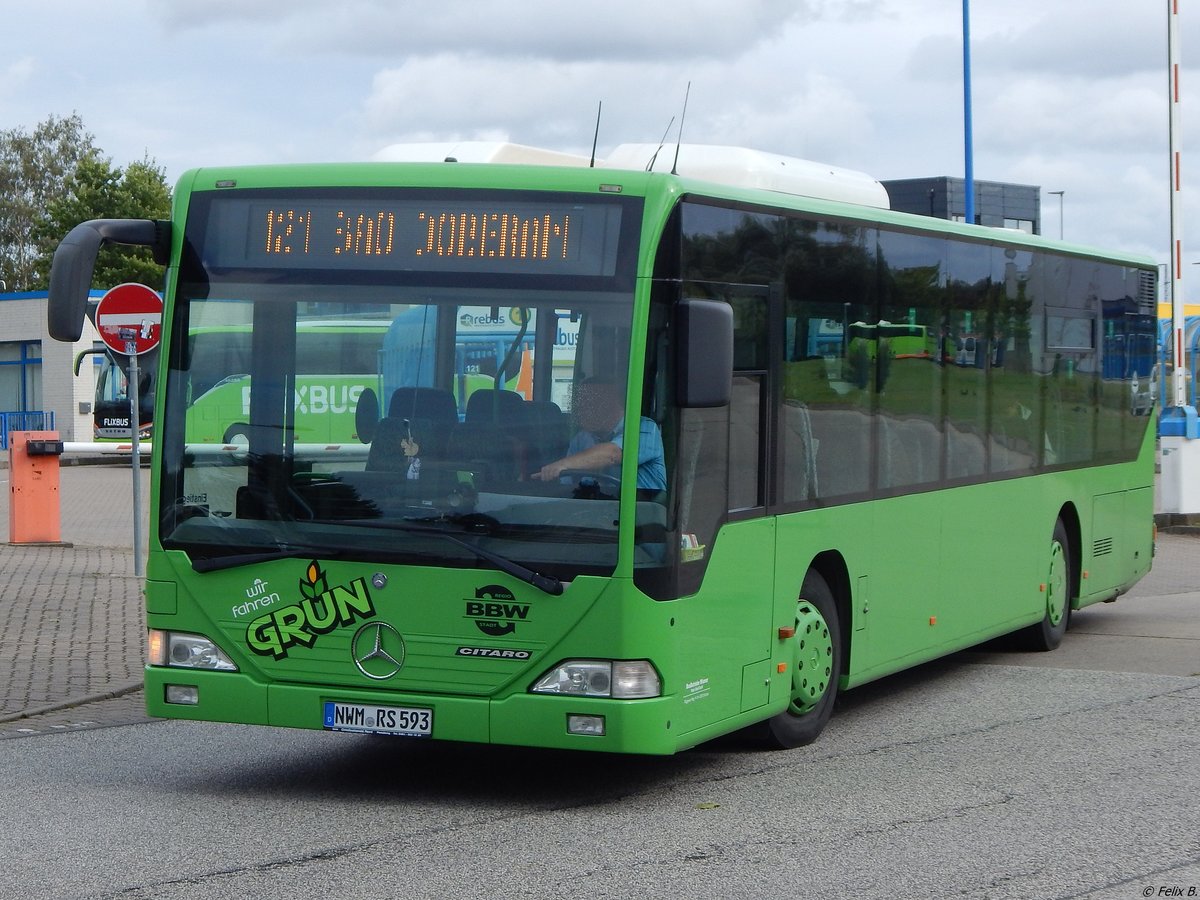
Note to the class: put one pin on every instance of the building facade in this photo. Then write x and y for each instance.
(997, 204)
(37, 372)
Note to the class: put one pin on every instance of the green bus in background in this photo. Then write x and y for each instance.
(336, 361)
(515, 562)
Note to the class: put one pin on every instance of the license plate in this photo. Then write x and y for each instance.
(368, 719)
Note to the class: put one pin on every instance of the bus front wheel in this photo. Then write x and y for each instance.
(816, 664)
(1048, 633)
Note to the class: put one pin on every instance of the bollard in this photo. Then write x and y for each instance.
(34, 511)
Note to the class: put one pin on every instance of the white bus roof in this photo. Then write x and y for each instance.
(742, 167)
(734, 166)
(479, 152)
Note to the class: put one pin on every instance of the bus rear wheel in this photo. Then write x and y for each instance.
(816, 664)
(1048, 633)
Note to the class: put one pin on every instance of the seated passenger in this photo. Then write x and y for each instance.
(598, 445)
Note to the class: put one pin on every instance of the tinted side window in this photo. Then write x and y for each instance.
(825, 416)
(912, 348)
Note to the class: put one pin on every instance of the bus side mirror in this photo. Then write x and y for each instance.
(75, 259)
(79, 357)
(703, 353)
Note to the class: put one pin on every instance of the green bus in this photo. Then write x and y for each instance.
(336, 360)
(773, 533)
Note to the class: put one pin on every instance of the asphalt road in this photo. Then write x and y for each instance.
(972, 777)
(986, 775)
(958, 779)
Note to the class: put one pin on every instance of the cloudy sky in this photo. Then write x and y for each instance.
(1069, 96)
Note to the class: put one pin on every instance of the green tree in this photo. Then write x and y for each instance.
(35, 170)
(98, 190)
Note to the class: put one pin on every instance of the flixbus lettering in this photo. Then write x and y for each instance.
(321, 611)
(326, 398)
(317, 398)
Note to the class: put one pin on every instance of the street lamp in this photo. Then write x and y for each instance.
(1060, 212)
(968, 137)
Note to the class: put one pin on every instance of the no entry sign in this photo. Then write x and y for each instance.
(129, 319)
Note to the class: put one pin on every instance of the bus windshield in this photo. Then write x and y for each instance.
(111, 407)
(371, 382)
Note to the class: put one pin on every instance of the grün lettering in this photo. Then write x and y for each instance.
(347, 599)
(301, 623)
(291, 623)
(263, 637)
(322, 621)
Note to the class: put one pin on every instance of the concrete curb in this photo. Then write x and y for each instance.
(1177, 523)
(111, 694)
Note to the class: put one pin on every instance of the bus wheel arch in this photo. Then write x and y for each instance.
(1060, 587)
(1069, 517)
(818, 656)
(832, 567)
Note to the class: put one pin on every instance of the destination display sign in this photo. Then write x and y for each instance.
(362, 232)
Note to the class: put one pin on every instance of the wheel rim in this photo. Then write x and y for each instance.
(1056, 585)
(813, 666)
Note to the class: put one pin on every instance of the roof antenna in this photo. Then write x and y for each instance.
(596, 137)
(650, 167)
(679, 137)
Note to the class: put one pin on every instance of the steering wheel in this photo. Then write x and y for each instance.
(593, 490)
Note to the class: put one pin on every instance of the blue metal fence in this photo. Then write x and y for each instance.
(24, 421)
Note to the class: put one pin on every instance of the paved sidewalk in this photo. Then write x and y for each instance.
(72, 625)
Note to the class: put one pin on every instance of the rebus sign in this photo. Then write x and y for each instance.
(129, 319)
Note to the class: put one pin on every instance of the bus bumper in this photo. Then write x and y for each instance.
(529, 720)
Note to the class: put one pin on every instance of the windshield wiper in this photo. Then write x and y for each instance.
(473, 522)
(292, 551)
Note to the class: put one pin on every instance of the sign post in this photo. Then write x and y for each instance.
(129, 319)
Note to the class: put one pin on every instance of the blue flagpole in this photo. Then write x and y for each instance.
(968, 142)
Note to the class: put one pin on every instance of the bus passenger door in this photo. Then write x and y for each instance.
(727, 540)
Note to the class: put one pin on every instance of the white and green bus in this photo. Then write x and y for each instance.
(772, 533)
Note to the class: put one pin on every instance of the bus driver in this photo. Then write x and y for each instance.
(597, 446)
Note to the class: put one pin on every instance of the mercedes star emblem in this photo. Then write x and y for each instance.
(378, 650)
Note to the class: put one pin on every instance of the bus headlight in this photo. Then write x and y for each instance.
(186, 651)
(624, 679)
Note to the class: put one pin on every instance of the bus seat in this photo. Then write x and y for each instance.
(550, 432)
(843, 441)
(965, 454)
(431, 404)
(387, 450)
(799, 453)
(494, 405)
(909, 452)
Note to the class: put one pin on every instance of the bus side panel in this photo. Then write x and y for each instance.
(995, 548)
(1139, 535)
(951, 569)
(946, 569)
(1120, 547)
(726, 631)
(848, 533)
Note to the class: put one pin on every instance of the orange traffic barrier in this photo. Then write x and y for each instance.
(34, 511)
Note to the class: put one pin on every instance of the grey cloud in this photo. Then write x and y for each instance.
(545, 29)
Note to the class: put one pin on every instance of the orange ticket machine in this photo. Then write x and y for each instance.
(34, 514)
